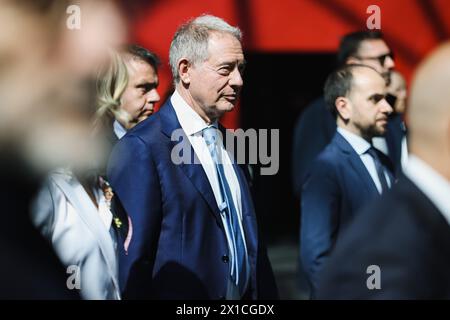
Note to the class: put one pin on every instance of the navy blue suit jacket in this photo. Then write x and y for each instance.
(315, 129)
(337, 185)
(313, 132)
(405, 235)
(394, 136)
(178, 248)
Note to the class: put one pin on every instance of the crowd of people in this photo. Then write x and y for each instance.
(97, 203)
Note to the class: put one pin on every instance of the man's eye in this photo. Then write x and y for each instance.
(377, 98)
(224, 71)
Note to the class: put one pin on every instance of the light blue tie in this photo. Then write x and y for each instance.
(238, 277)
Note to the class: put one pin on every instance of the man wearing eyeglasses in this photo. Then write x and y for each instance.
(316, 126)
(349, 172)
(195, 234)
(370, 49)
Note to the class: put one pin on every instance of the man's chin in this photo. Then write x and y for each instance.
(142, 118)
(228, 106)
(379, 132)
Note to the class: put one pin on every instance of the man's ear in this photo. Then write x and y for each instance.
(183, 70)
(343, 108)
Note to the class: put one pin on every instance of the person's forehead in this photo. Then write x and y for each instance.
(224, 46)
(373, 47)
(367, 80)
(140, 68)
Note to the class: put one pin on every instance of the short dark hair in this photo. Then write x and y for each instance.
(339, 84)
(143, 54)
(351, 42)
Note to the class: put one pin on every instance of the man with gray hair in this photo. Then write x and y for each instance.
(194, 226)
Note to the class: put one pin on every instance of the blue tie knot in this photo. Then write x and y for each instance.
(210, 135)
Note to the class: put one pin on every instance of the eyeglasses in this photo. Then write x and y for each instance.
(381, 59)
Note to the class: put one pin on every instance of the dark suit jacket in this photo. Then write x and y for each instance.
(313, 132)
(406, 236)
(394, 136)
(337, 185)
(178, 248)
(315, 129)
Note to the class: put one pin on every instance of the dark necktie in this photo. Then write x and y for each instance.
(238, 269)
(380, 169)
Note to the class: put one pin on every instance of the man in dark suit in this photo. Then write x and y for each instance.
(399, 247)
(349, 172)
(396, 136)
(194, 234)
(316, 125)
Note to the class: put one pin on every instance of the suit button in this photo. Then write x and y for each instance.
(225, 258)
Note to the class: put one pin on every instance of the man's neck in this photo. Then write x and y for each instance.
(355, 131)
(187, 97)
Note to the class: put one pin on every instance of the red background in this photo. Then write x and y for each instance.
(411, 27)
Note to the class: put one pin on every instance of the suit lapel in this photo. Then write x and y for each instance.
(87, 211)
(194, 171)
(355, 162)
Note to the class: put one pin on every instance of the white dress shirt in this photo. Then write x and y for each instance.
(380, 144)
(404, 155)
(192, 124)
(431, 183)
(361, 146)
(119, 130)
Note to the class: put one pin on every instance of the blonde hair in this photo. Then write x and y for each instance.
(112, 81)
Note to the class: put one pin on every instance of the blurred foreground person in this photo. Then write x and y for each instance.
(399, 247)
(44, 67)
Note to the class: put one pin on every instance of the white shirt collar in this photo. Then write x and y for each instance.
(358, 143)
(189, 120)
(119, 130)
(430, 182)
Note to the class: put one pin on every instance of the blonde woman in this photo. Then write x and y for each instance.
(73, 209)
(127, 90)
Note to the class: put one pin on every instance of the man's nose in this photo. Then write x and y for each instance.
(236, 78)
(386, 107)
(153, 96)
(389, 63)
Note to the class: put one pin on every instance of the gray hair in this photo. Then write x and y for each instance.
(191, 40)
